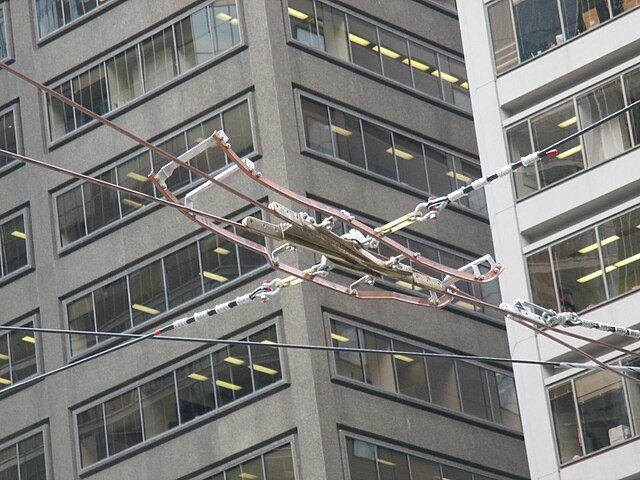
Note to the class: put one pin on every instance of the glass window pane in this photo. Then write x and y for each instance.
(578, 271)
(549, 128)
(237, 125)
(440, 172)
(411, 371)
(303, 24)
(423, 63)
(473, 390)
(565, 422)
(194, 41)
(182, 270)
(378, 367)
(80, 315)
(49, 16)
(503, 39)
(7, 135)
(454, 82)
(611, 138)
(503, 399)
(61, 117)
(537, 26)
(265, 360)
(541, 280)
(219, 261)
(423, 468)
(379, 152)
(251, 469)
(632, 86)
(316, 126)
(14, 245)
(466, 172)
(620, 244)
(176, 146)
(147, 293)
(101, 203)
(76, 8)
(249, 260)
(525, 178)
(453, 473)
(112, 307)
(125, 80)
(364, 44)
(159, 409)
(5, 362)
(443, 383)
(347, 137)
(232, 373)
(278, 464)
(31, 454)
(226, 32)
(23, 354)
(332, 31)
(3, 35)
(602, 409)
(348, 364)
(195, 389)
(582, 15)
(133, 174)
(392, 465)
(90, 91)
(411, 166)
(71, 216)
(395, 63)
(158, 59)
(91, 435)
(362, 460)
(634, 394)
(9, 463)
(124, 428)
(213, 158)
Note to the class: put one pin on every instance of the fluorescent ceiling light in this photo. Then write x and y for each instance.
(445, 76)
(416, 64)
(28, 339)
(408, 285)
(198, 377)
(628, 260)
(606, 241)
(213, 276)
(386, 462)
(568, 153)
(359, 40)
(19, 234)
(403, 358)
(386, 52)
(465, 305)
(465, 85)
(137, 177)
(222, 251)
(459, 176)
(267, 342)
(596, 274)
(131, 203)
(248, 476)
(568, 122)
(339, 338)
(234, 360)
(227, 18)
(145, 309)
(341, 131)
(297, 14)
(263, 369)
(399, 153)
(4, 381)
(4, 357)
(227, 385)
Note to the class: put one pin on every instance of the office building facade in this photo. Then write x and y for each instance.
(566, 229)
(362, 106)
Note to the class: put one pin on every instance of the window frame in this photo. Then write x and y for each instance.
(274, 320)
(14, 108)
(21, 321)
(23, 212)
(66, 27)
(124, 219)
(46, 445)
(6, 13)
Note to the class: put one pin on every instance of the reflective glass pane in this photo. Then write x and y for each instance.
(503, 39)
(50, 16)
(250, 260)
(71, 216)
(582, 15)
(112, 307)
(212, 158)
(525, 178)
(158, 59)
(232, 374)
(440, 172)
(303, 24)
(195, 389)
(101, 203)
(505, 407)
(378, 149)
(332, 31)
(23, 354)
(348, 364)
(347, 137)
(278, 464)
(31, 454)
(92, 436)
(443, 382)
(124, 428)
(620, 246)
(176, 146)
(611, 138)
(237, 125)
(378, 367)
(423, 63)
(226, 32)
(411, 166)
(194, 40)
(251, 469)
(634, 393)
(5, 362)
(453, 473)
(182, 270)
(146, 288)
(125, 80)
(411, 371)
(133, 174)
(80, 315)
(316, 126)
(14, 245)
(565, 422)
(464, 173)
(9, 463)
(265, 360)
(364, 44)
(219, 261)
(61, 117)
(578, 271)
(76, 8)
(7, 135)
(362, 460)
(395, 64)
(454, 82)
(473, 390)
(541, 281)
(632, 86)
(392, 465)
(90, 91)
(537, 26)
(423, 468)
(3, 35)
(159, 409)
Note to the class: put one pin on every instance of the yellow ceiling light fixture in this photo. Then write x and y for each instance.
(596, 274)
(568, 153)
(341, 131)
(215, 277)
(339, 338)
(604, 242)
(228, 386)
(628, 260)
(234, 360)
(263, 369)
(248, 476)
(399, 153)
(465, 85)
(131, 203)
(19, 234)
(198, 377)
(465, 305)
(423, 67)
(404, 358)
(297, 14)
(4, 357)
(445, 76)
(568, 122)
(382, 461)
(227, 18)
(222, 251)
(28, 339)
(363, 42)
(137, 177)
(402, 283)
(4, 381)
(145, 309)
(386, 52)
(459, 176)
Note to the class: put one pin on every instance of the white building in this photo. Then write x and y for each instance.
(567, 230)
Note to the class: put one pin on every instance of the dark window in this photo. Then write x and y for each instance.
(24, 460)
(423, 62)
(101, 203)
(474, 391)
(347, 137)
(379, 151)
(363, 38)
(393, 49)
(112, 307)
(316, 126)
(232, 373)
(146, 288)
(411, 371)
(303, 22)
(123, 422)
(537, 26)
(332, 31)
(182, 270)
(219, 261)
(71, 216)
(411, 166)
(17, 357)
(92, 436)
(632, 86)
(265, 360)
(8, 140)
(195, 389)
(90, 91)
(13, 241)
(159, 408)
(4, 37)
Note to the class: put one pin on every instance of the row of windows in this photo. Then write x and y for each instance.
(589, 267)
(17, 356)
(179, 276)
(595, 411)
(4, 36)
(379, 50)
(24, 460)
(14, 251)
(8, 134)
(205, 384)
(380, 150)
(454, 384)
(520, 30)
(276, 464)
(371, 461)
(593, 148)
(55, 14)
(150, 63)
(84, 209)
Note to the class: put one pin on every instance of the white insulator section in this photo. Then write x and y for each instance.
(529, 159)
(480, 183)
(222, 308)
(199, 316)
(244, 299)
(504, 171)
(182, 322)
(456, 195)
